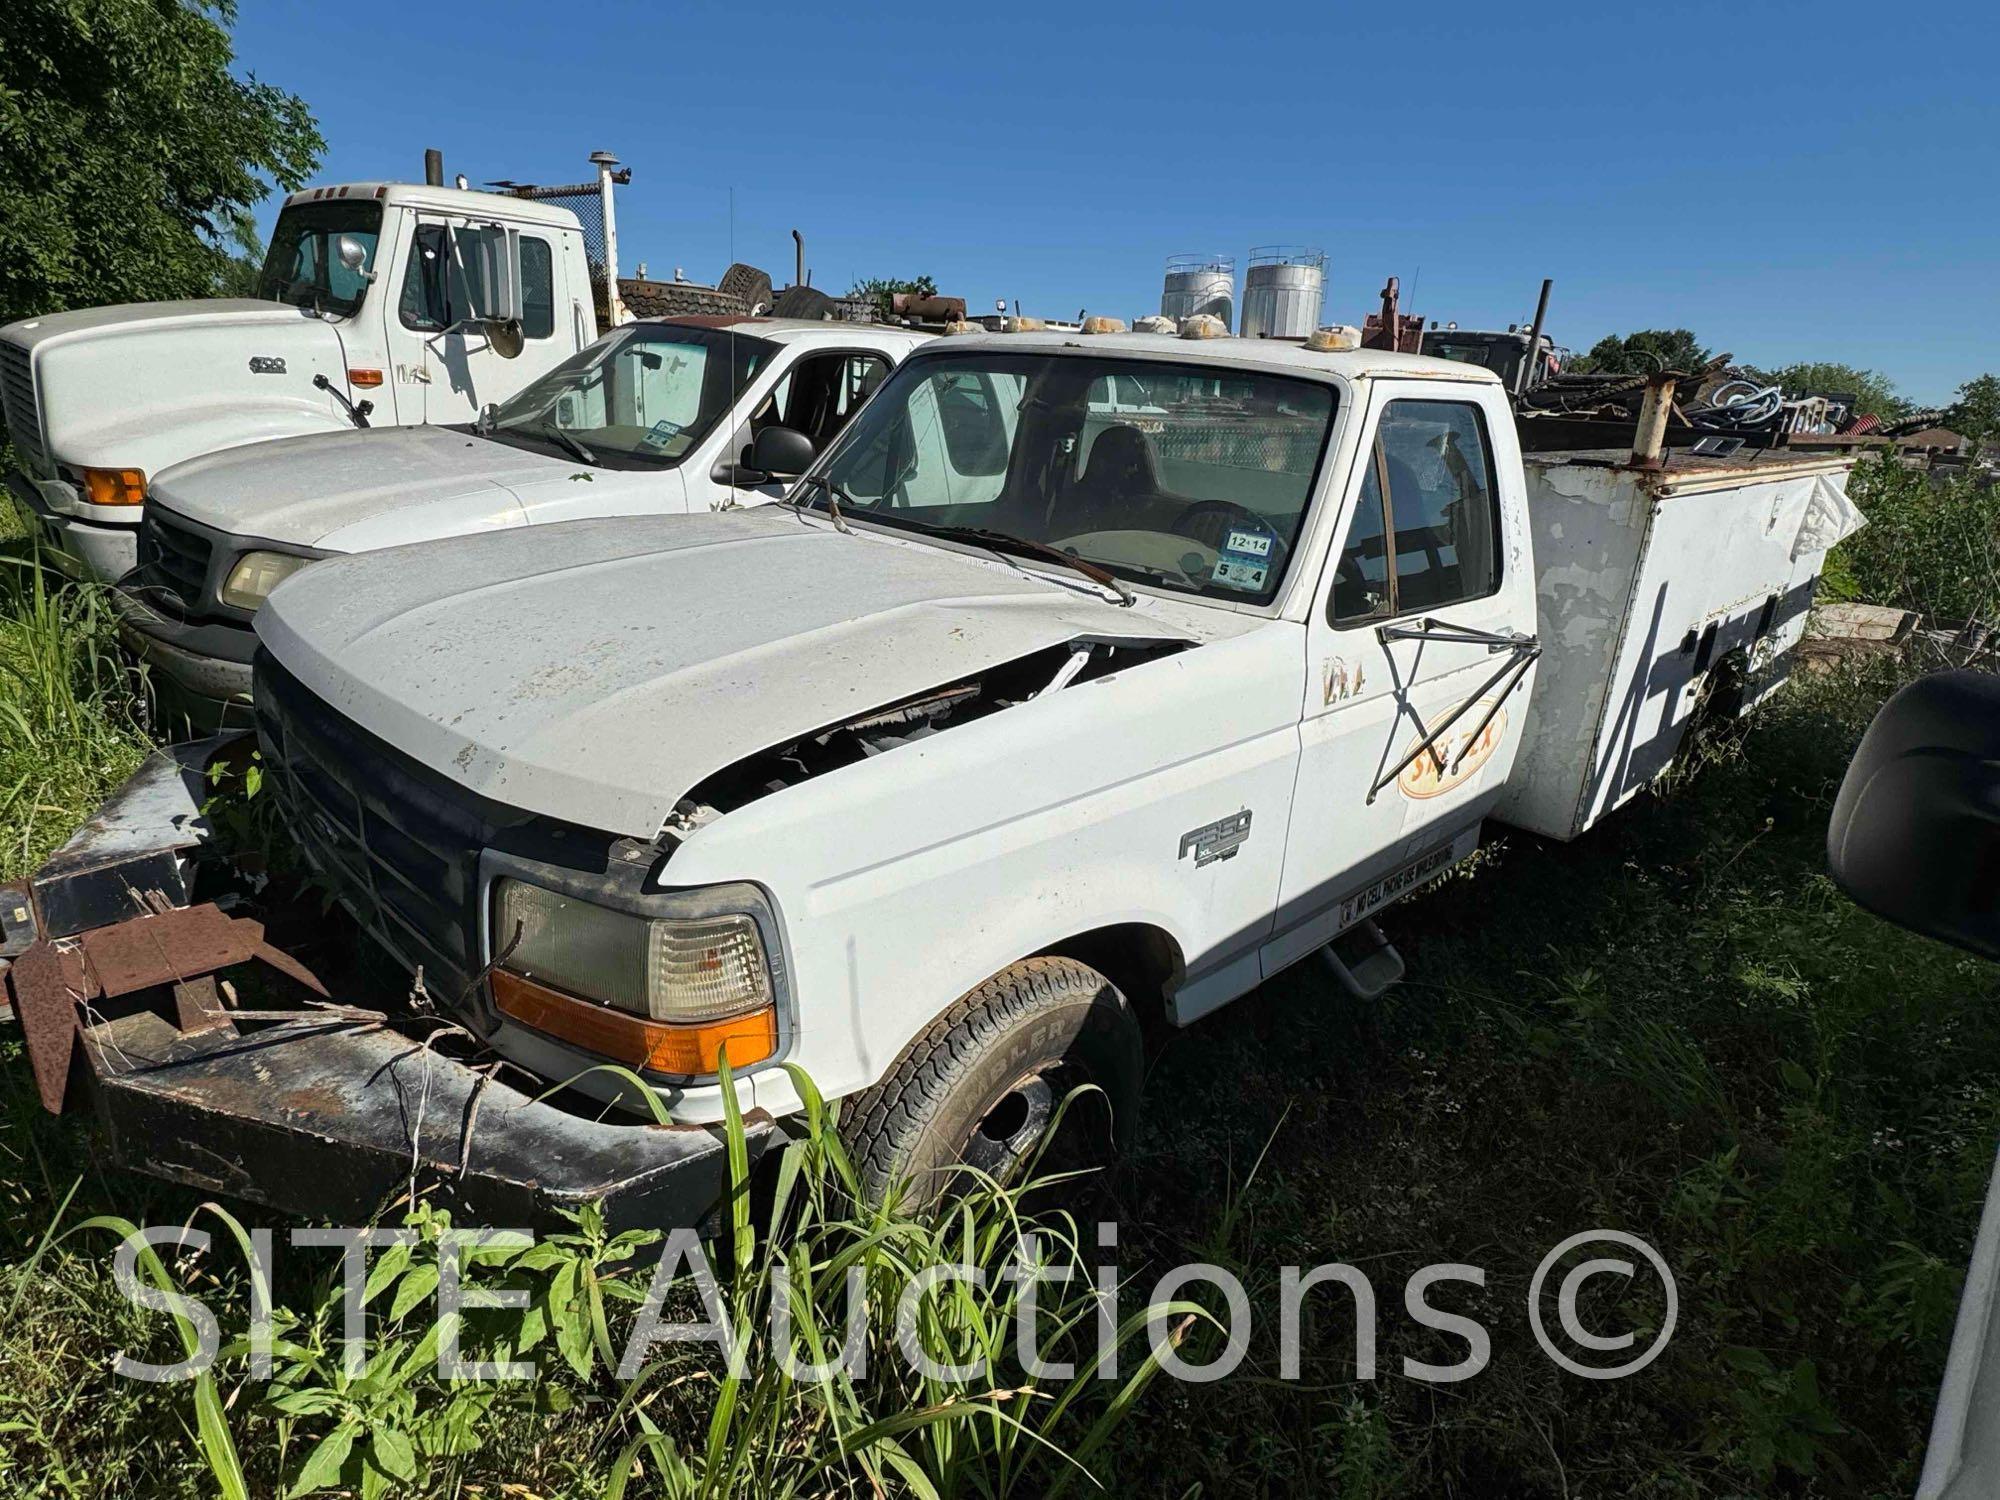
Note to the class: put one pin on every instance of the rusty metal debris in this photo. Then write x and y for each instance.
(183, 947)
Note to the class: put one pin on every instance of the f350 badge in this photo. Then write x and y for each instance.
(1218, 840)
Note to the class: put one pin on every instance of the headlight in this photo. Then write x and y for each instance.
(256, 573)
(700, 983)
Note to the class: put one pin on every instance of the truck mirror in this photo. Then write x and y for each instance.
(781, 451)
(490, 261)
(506, 339)
(1915, 835)
(352, 254)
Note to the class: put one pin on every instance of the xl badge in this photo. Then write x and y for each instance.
(1218, 840)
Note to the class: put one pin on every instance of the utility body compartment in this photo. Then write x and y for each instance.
(1652, 585)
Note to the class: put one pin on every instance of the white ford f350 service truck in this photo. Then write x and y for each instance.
(655, 418)
(1040, 709)
(379, 303)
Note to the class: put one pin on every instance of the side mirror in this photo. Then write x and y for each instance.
(352, 254)
(781, 451)
(1915, 835)
(490, 262)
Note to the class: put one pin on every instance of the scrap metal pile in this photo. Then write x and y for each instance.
(1724, 400)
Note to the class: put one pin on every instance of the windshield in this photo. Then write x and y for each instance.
(641, 397)
(1494, 352)
(303, 265)
(1188, 477)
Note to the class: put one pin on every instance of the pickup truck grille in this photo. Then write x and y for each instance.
(398, 843)
(24, 415)
(174, 557)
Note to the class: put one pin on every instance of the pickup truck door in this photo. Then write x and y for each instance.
(444, 368)
(1429, 576)
(813, 391)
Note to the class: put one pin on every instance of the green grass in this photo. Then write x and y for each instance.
(1675, 1026)
(1932, 543)
(68, 709)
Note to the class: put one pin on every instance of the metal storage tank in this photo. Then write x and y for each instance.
(1283, 290)
(1200, 284)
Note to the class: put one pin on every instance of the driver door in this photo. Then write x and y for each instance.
(1430, 512)
(444, 368)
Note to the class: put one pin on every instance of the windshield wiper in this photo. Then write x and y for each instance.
(556, 435)
(1004, 541)
(834, 495)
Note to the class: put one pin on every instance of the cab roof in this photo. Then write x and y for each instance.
(798, 330)
(443, 199)
(1262, 354)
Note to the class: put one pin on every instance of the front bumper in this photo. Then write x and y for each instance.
(331, 1106)
(89, 550)
(334, 1118)
(201, 670)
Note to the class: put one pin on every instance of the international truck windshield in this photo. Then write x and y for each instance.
(303, 266)
(1188, 478)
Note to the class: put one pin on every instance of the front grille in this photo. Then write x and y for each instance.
(174, 557)
(17, 394)
(400, 855)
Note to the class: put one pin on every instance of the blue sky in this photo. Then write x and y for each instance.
(1790, 182)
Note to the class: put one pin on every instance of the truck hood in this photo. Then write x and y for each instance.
(324, 491)
(597, 671)
(145, 385)
(131, 317)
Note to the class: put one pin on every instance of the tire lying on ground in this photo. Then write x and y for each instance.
(983, 1082)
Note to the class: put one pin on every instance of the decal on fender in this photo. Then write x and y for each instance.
(1218, 840)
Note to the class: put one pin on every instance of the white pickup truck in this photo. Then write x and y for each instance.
(655, 418)
(1088, 677)
(382, 303)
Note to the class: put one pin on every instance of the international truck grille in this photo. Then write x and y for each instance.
(24, 415)
(397, 844)
(174, 557)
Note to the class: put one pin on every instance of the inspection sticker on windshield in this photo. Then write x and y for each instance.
(662, 433)
(1243, 561)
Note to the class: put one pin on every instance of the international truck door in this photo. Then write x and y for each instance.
(443, 356)
(1419, 647)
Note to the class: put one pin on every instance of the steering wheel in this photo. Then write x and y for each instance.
(1210, 521)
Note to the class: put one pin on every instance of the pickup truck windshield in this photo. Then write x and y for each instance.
(640, 398)
(303, 265)
(1188, 477)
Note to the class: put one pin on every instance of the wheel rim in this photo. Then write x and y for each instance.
(1010, 1132)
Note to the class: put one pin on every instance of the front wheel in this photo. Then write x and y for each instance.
(985, 1082)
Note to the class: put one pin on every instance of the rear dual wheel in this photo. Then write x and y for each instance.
(986, 1084)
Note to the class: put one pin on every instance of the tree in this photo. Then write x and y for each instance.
(1976, 413)
(882, 288)
(1875, 395)
(1642, 353)
(130, 154)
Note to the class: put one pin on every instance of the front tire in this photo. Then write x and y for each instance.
(982, 1084)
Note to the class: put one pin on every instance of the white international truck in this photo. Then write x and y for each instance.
(656, 418)
(1044, 707)
(379, 303)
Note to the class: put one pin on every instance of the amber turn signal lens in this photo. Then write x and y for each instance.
(689, 1050)
(114, 486)
(366, 379)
